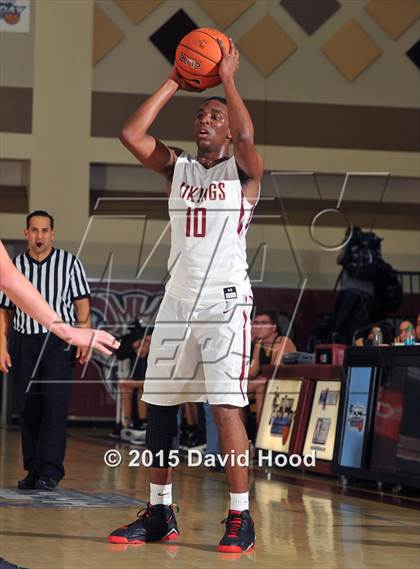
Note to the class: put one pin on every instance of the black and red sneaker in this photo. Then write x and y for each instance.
(239, 535)
(154, 523)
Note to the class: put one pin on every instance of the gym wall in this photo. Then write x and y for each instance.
(332, 91)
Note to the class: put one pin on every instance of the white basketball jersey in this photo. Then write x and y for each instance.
(209, 218)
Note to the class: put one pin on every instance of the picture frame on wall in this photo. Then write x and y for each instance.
(357, 413)
(278, 414)
(322, 428)
(15, 16)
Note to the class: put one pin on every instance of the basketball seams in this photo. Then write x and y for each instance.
(199, 53)
(215, 39)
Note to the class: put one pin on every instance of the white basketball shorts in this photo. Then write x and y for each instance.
(200, 353)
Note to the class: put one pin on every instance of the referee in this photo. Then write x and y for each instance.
(42, 364)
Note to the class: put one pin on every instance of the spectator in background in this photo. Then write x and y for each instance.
(418, 328)
(134, 428)
(406, 330)
(192, 430)
(270, 346)
(387, 336)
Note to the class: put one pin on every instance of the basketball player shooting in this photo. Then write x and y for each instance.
(201, 341)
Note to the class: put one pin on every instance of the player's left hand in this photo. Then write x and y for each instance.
(230, 60)
(182, 84)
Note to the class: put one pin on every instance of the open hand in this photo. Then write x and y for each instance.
(230, 60)
(86, 338)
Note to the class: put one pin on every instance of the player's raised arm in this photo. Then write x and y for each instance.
(240, 123)
(150, 151)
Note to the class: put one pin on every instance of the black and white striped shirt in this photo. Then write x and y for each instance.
(60, 278)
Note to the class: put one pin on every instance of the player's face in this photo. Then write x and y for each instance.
(39, 235)
(211, 125)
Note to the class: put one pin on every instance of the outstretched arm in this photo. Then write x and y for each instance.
(240, 122)
(150, 151)
(23, 294)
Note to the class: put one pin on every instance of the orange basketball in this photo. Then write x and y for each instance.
(198, 56)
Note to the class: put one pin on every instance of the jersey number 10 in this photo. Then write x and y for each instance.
(198, 216)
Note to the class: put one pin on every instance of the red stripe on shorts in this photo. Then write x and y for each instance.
(241, 215)
(241, 377)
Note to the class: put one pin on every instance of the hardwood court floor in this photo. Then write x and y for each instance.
(297, 526)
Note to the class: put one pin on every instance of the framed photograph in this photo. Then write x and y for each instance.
(15, 15)
(320, 436)
(355, 416)
(322, 429)
(278, 415)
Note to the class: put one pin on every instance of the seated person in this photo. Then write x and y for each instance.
(269, 348)
(387, 336)
(192, 430)
(140, 344)
(406, 330)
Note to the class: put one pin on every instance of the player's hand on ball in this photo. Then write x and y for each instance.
(230, 61)
(183, 84)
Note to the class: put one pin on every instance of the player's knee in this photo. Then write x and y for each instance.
(162, 432)
(225, 414)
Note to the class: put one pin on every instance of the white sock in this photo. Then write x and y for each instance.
(162, 494)
(239, 502)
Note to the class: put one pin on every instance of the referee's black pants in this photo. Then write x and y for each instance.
(42, 371)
